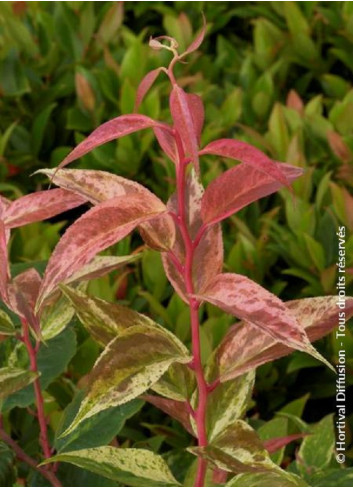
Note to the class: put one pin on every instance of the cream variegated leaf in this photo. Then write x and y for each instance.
(13, 379)
(7, 327)
(178, 383)
(129, 466)
(271, 479)
(56, 317)
(130, 364)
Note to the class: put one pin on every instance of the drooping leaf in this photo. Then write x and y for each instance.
(237, 449)
(271, 479)
(100, 227)
(113, 129)
(184, 124)
(176, 409)
(95, 431)
(129, 365)
(144, 86)
(239, 187)
(131, 466)
(249, 155)
(208, 256)
(99, 186)
(244, 347)
(6, 325)
(13, 379)
(245, 299)
(39, 206)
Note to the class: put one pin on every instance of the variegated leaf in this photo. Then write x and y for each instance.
(130, 466)
(249, 155)
(39, 206)
(271, 479)
(4, 272)
(239, 187)
(99, 186)
(274, 444)
(178, 383)
(55, 317)
(208, 256)
(113, 129)
(237, 449)
(247, 300)
(100, 227)
(129, 365)
(244, 347)
(6, 325)
(184, 123)
(13, 379)
(176, 409)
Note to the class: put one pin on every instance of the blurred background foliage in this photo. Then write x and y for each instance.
(275, 74)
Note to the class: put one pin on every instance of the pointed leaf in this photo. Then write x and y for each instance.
(239, 187)
(249, 155)
(176, 409)
(317, 450)
(39, 206)
(129, 365)
(244, 347)
(167, 142)
(247, 300)
(196, 43)
(99, 228)
(132, 466)
(4, 204)
(113, 129)
(208, 256)
(99, 186)
(6, 325)
(13, 379)
(237, 449)
(178, 383)
(144, 86)
(184, 124)
(197, 112)
(275, 444)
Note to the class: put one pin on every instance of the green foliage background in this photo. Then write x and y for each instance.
(275, 74)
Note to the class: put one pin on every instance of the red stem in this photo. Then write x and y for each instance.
(190, 246)
(32, 353)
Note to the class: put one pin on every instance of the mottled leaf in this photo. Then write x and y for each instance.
(244, 347)
(4, 272)
(100, 227)
(317, 450)
(271, 479)
(113, 129)
(129, 365)
(237, 449)
(178, 383)
(13, 379)
(176, 409)
(245, 299)
(208, 256)
(131, 466)
(6, 325)
(39, 206)
(239, 187)
(144, 86)
(55, 317)
(249, 155)
(184, 124)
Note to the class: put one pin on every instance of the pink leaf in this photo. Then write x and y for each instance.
(208, 256)
(247, 300)
(184, 124)
(99, 186)
(4, 272)
(39, 206)
(197, 112)
(248, 154)
(196, 43)
(275, 444)
(239, 187)
(166, 141)
(4, 204)
(176, 409)
(145, 85)
(100, 227)
(244, 347)
(113, 129)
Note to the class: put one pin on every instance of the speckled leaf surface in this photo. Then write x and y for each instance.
(273, 479)
(13, 379)
(6, 325)
(131, 466)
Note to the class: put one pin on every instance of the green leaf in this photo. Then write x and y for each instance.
(95, 431)
(129, 365)
(177, 383)
(13, 379)
(274, 428)
(316, 451)
(39, 127)
(55, 318)
(237, 449)
(52, 360)
(7, 466)
(273, 479)
(333, 478)
(6, 325)
(131, 466)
